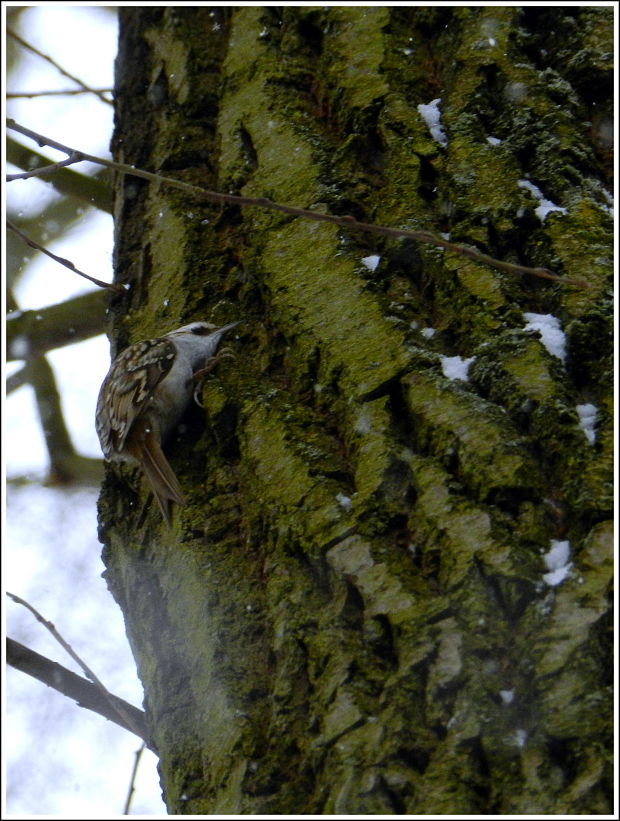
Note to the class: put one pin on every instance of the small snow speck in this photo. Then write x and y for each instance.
(546, 206)
(344, 501)
(20, 347)
(609, 208)
(555, 577)
(431, 115)
(455, 367)
(557, 561)
(558, 554)
(520, 737)
(494, 141)
(587, 420)
(371, 262)
(363, 423)
(507, 696)
(428, 332)
(551, 333)
(515, 92)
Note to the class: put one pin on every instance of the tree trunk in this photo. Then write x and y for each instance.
(359, 611)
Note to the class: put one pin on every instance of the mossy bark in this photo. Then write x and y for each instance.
(350, 616)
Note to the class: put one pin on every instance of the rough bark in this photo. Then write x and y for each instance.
(351, 616)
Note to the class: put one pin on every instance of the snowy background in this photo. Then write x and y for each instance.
(61, 759)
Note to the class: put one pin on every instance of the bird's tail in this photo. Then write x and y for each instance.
(161, 477)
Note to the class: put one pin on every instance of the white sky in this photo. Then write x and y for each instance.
(61, 759)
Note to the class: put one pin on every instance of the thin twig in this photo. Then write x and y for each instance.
(13, 95)
(18, 379)
(132, 781)
(46, 169)
(66, 262)
(345, 222)
(92, 189)
(75, 687)
(53, 62)
(87, 671)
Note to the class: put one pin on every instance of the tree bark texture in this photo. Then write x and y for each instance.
(353, 615)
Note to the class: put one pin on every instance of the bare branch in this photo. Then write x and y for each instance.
(46, 169)
(57, 439)
(69, 91)
(132, 780)
(29, 334)
(53, 62)
(85, 693)
(91, 189)
(345, 221)
(66, 262)
(18, 379)
(118, 708)
(66, 465)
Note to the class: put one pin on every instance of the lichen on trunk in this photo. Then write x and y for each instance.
(362, 609)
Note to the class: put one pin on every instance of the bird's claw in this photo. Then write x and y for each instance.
(225, 353)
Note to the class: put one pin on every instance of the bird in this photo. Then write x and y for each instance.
(144, 395)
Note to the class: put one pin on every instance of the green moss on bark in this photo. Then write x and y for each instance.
(351, 615)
